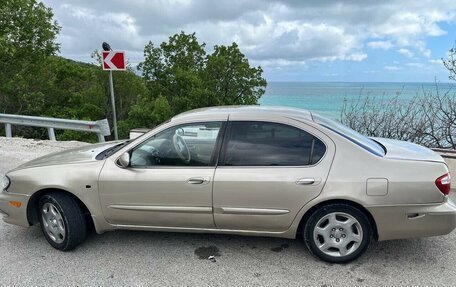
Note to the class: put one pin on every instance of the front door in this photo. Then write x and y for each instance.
(268, 172)
(169, 180)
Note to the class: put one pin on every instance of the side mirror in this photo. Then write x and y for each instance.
(124, 160)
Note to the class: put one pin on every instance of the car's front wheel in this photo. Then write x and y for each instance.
(337, 233)
(62, 221)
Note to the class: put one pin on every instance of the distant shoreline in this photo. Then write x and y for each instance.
(327, 98)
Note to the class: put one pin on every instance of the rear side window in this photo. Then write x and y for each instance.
(271, 144)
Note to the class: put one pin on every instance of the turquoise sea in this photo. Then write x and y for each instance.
(327, 98)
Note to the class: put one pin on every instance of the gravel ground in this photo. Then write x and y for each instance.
(151, 258)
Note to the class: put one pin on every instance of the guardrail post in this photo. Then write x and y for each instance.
(101, 138)
(51, 134)
(9, 134)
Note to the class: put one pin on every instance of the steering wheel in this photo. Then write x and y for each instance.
(181, 148)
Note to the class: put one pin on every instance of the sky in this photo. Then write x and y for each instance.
(294, 40)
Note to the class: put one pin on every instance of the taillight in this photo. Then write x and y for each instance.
(444, 183)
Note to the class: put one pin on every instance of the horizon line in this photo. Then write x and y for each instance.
(380, 82)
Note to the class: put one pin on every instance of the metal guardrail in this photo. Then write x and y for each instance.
(101, 127)
(445, 153)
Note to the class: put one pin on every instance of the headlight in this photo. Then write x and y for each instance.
(5, 182)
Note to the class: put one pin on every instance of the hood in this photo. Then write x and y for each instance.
(403, 150)
(78, 155)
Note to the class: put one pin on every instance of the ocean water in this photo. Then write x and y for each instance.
(327, 98)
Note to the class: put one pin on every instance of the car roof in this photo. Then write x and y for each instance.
(247, 110)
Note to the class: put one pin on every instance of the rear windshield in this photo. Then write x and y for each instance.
(357, 138)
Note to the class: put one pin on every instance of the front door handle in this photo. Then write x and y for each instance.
(306, 181)
(198, 180)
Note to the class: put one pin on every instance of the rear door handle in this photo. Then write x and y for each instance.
(307, 181)
(198, 180)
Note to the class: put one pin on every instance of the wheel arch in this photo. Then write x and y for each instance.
(32, 206)
(311, 210)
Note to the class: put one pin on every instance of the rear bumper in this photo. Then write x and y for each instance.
(11, 214)
(410, 221)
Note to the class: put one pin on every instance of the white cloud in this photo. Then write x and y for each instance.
(280, 63)
(356, 57)
(392, 68)
(415, 65)
(436, 61)
(384, 45)
(405, 52)
(281, 33)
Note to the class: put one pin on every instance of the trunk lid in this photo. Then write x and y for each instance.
(403, 150)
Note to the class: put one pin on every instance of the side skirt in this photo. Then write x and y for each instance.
(283, 234)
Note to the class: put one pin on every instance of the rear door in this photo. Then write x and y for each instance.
(267, 172)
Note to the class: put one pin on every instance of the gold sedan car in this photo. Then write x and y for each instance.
(248, 170)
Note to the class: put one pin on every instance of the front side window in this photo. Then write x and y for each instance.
(183, 145)
(271, 144)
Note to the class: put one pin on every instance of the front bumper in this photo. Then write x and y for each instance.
(410, 221)
(11, 214)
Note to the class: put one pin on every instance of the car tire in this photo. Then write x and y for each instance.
(337, 233)
(62, 221)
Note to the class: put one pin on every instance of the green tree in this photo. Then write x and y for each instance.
(27, 38)
(148, 113)
(230, 78)
(184, 77)
(173, 70)
(178, 75)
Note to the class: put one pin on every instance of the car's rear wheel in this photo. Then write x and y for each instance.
(337, 233)
(62, 221)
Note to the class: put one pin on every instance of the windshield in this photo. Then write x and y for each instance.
(357, 138)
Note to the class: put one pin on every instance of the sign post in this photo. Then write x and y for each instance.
(113, 61)
(113, 102)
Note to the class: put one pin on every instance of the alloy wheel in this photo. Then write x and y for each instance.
(338, 234)
(53, 222)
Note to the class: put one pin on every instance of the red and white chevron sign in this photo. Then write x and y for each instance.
(114, 61)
